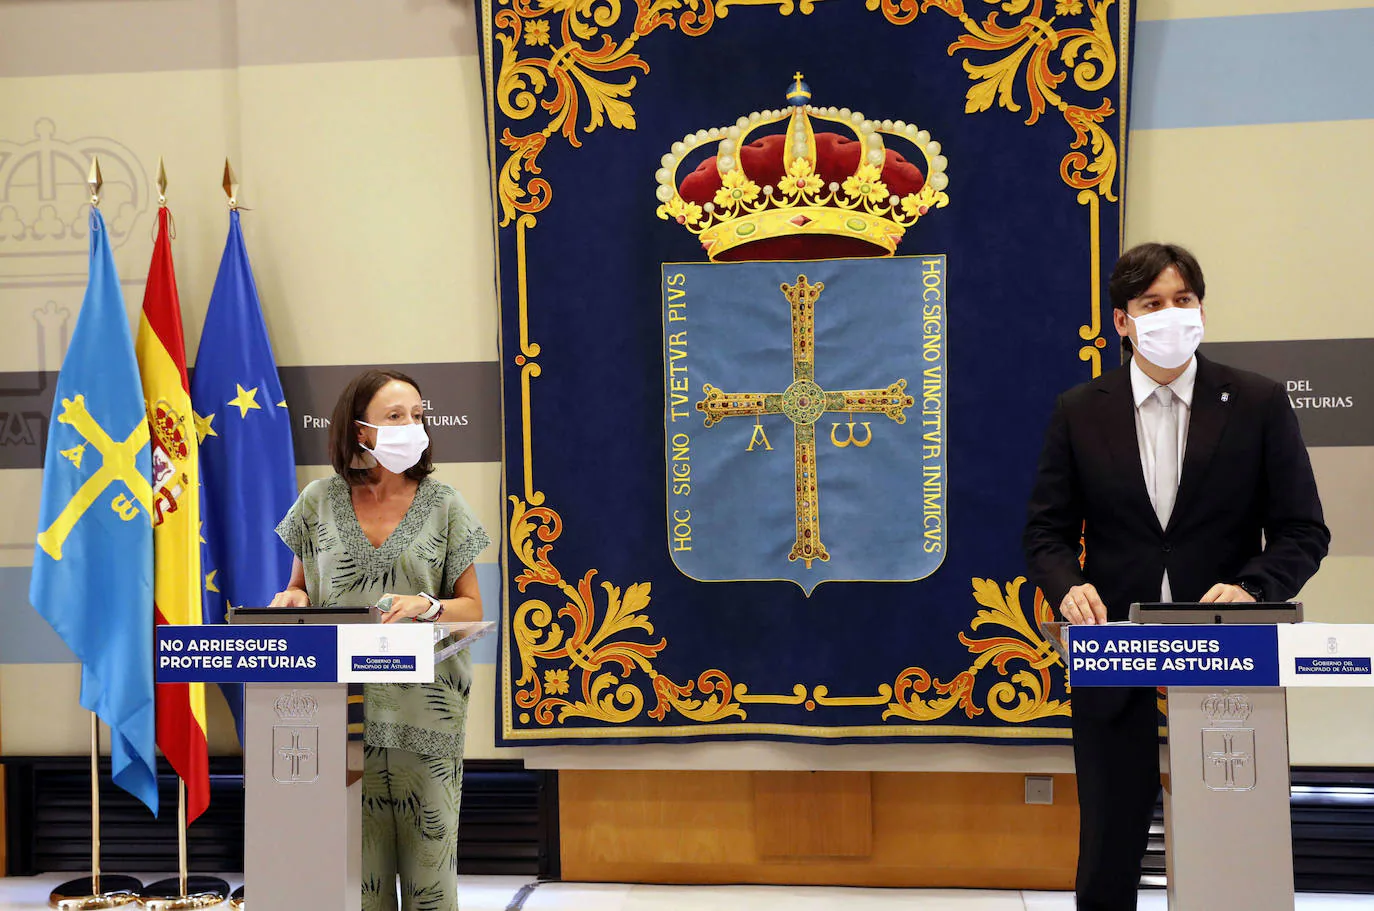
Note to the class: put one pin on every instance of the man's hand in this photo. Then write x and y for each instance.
(1083, 605)
(1222, 593)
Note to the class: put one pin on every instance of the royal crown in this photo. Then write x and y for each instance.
(296, 707)
(802, 194)
(170, 429)
(1223, 709)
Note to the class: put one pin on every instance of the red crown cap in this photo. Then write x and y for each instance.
(837, 157)
(799, 194)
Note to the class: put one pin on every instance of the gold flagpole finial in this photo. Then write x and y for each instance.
(161, 183)
(231, 186)
(94, 180)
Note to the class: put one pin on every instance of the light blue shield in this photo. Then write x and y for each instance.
(805, 420)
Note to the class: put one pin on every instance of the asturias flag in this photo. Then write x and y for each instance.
(176, 513)
(247, 465)
(93, 567)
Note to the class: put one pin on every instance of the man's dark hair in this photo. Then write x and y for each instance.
(1139, 266)
(352, 406)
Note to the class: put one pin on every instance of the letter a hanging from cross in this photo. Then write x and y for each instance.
(118, 465)
(804, 403)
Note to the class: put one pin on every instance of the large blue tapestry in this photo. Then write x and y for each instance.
(786, 298)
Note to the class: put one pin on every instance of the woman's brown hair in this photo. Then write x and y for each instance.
(344, 450)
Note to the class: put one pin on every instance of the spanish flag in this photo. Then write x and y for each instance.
(176, 513)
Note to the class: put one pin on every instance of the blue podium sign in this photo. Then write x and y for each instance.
(1331, 666)
(1132, 655)
(295, 654)
(246, 654)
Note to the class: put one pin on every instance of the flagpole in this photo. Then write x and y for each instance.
(231, 189)
(95, 804)
(184, 892)
(96, 891)
(231, 186)
(175, 894)
(181, 832)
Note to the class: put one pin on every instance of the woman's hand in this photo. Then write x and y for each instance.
(291, 597)
(294, 594)
(401, 607)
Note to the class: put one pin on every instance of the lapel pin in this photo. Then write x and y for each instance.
(1226, 396)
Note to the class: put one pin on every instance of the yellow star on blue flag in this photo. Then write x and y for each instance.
(204, 426)
(245, 401)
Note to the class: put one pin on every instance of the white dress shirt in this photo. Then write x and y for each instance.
(1149, 413)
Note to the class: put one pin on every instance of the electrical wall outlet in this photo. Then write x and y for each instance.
(1039, 789)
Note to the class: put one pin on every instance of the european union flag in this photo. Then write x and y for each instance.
(93, 568)
(247, 465)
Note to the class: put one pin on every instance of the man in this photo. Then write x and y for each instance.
(1185, 480)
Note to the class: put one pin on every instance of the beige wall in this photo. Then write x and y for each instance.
(357, 132)
(1280, 217)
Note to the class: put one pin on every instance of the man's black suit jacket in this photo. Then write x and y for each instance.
(1247, 505)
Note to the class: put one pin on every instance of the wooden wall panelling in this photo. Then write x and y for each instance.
(969, 830)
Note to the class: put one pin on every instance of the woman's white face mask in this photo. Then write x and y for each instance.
(1168, 337)
(399, 446)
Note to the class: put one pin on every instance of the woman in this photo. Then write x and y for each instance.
(381, 531)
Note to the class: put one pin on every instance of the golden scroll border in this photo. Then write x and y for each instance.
(590, 656)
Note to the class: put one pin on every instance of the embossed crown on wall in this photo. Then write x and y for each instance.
(44, 200)
(802, 194)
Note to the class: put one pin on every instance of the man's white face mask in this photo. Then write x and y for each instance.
(1168, 337)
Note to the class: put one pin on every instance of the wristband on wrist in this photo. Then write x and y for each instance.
(436, 607)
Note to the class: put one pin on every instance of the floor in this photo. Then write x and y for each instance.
(517, 893)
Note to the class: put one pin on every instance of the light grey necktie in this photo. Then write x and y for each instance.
(1166, 454)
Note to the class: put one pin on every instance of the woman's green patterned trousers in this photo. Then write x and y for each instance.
(410, 830)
